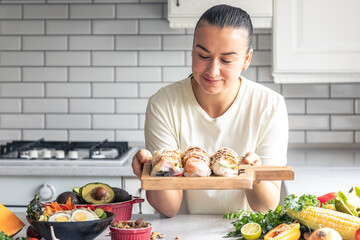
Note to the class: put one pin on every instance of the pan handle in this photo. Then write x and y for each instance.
(138, 200)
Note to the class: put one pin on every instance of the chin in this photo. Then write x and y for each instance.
(210, 90)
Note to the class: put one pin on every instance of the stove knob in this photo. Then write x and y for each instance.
(73, 154)
(46, 192)
(46, 154)
(33, 154)
(59, 154)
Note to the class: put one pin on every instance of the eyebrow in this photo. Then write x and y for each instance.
(203, 48)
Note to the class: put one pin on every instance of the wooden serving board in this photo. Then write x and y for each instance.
(248, 174)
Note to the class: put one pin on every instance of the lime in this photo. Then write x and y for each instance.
(251, 231)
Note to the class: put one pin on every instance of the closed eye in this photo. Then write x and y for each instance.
(203, 57)
(225, 61)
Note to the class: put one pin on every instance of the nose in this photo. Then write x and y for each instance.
(213, 68)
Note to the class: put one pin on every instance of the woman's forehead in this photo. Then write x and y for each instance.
(210, 35)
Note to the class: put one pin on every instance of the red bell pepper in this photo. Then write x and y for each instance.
(325, 198)
(109, 208)
(90, 206)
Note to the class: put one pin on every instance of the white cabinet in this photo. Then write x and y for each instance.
(133, 186)
(316, 41)
(20, 190)
(185, 13)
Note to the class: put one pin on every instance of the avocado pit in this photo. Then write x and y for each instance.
(97, 193)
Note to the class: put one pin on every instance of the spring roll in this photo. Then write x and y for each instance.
(225, 162)
(196, 162)
(167, 163)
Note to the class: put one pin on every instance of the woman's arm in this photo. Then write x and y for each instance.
(272, 148)
(166, 202)
(160, 133)
(264, 194)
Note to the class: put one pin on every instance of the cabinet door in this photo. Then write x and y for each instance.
(185, 13)
(316, 41)
(20, 190)
(133, 186)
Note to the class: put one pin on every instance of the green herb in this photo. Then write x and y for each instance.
(298, 203)
(3, 236)
(267, 221)
(35, 208)
(331, 201)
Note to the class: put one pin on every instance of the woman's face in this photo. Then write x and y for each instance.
(219, 56)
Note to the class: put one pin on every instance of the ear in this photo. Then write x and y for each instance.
(247, 60)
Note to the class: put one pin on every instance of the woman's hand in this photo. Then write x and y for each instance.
(252, 158)
(139, 160)
(264, 194)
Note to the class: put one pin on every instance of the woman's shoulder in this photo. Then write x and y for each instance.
(171, 92)
(260, 91)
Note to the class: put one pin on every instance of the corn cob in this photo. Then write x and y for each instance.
(315, 218)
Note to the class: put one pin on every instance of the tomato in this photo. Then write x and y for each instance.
(30, 232)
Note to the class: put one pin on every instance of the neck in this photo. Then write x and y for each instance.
(215, 105)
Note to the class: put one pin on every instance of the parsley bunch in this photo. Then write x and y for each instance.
(298, 203)
(3, 236)
(267, 221)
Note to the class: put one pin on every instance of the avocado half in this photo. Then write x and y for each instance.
(121, 195)
(97, 193)
(63, 197)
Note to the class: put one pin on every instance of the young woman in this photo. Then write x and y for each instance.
(216, 107)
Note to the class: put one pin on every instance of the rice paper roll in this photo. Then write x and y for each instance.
(225, 162)
(196, 162)
(166, 162)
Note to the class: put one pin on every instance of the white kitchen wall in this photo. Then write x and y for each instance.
(84, 69)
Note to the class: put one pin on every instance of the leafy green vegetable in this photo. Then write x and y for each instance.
(3, 236)
(298, 203)
(35, 208)
(331, 201)
(267, 221)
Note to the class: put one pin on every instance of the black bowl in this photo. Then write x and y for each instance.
(87, 230)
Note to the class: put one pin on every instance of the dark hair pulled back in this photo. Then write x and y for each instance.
(224, 15)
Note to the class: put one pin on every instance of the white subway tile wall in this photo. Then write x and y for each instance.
(84, 70)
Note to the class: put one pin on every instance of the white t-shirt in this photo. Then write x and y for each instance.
(257, 122)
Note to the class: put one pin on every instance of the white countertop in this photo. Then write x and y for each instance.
(320, 170)
(299, 158)
(187, 227)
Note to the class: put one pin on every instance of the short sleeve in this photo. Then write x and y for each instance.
(158, 130)
(273, 142)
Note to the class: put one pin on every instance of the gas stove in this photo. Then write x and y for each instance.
(57, 152)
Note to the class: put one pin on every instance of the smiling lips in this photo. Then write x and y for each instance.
(210, 80)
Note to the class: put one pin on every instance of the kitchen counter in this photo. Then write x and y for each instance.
(320, 170)
(300, 158)
(184, 226)
(94, 168)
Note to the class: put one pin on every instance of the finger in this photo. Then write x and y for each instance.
(136, 166)
(143, 155)
(252, 158)
(138, 161)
